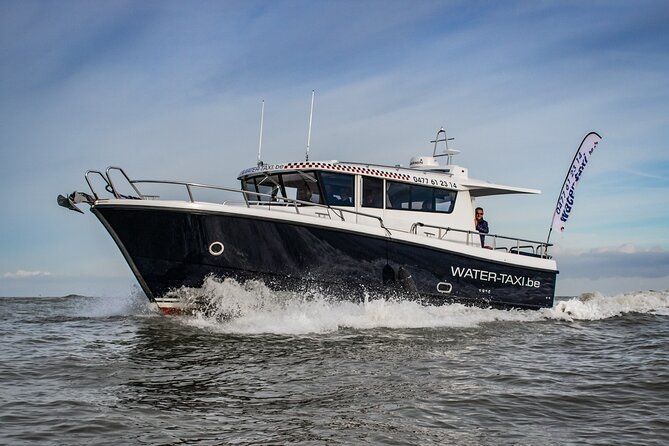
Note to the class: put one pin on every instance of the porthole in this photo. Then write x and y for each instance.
(444, 287)
(216, 249)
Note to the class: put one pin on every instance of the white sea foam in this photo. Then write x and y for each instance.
(595, 306)
(253, 308)
(132, 303)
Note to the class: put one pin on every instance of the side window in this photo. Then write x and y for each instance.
(419, 198)
(372, 192)
(338, 188)
(444, 200)
(398, 195)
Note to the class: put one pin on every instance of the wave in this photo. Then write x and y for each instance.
(251, 307)
(596, 306)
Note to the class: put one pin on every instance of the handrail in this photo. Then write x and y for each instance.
(90, 186)
(339, 212)
(115, 192)
(538, 248)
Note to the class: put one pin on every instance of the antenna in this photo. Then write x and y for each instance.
(262, 118)
(311, 115)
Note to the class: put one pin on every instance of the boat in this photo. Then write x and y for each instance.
(349, 229)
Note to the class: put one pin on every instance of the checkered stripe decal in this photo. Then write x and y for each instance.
(348, 169)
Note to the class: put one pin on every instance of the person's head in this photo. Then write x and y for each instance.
(344, 194)
(478, 213)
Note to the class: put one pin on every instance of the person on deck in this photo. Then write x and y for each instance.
(480, 224)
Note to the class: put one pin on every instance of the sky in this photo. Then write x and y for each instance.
(173, 90)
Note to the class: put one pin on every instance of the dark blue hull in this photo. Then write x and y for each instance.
(170, 248)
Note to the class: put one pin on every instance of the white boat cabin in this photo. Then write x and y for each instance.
(425, 198)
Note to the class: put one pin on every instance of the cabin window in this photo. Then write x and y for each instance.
(422, 198)
(398, 195)
(338, 188)
(268, 185)
(249, 184)
(302, 186)
(444, 200)
(296, 186)
(372, 192)
(419, 198)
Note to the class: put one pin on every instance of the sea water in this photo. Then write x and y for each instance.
(262, 367)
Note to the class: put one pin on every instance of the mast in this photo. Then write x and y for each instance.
(262, 118)
(311, 115)
(448, 152)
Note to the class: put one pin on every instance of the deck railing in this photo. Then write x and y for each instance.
(473, 238)
(272, 200)
(536, 249)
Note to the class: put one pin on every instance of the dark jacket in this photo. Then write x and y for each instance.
(482, 226)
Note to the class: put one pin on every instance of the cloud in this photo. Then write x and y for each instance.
(624, 261)
(627, 248)
(23, 274)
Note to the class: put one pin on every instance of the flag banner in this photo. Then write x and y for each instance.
(565, 201)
